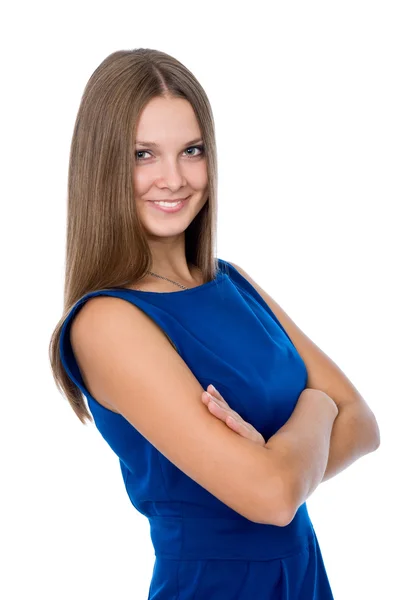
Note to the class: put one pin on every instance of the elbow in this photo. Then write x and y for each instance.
(376, 436)
(376, 442)
(371, 428)
(280, 517)
(283, 518)
(278, 507)
(373, 433)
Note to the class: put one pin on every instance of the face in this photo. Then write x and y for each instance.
(173, 166)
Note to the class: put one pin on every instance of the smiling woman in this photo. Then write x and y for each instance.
(220, 504)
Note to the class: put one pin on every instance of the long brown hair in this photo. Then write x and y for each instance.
(106, 245)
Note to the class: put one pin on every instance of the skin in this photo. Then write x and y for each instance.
(219, 408)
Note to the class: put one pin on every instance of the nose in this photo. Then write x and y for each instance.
(171, 175)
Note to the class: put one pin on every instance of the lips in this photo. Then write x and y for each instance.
(169, 207)
(168, 200)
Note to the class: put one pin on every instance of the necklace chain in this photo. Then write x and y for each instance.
(161, 277)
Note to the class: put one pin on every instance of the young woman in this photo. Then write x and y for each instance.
(152, 319)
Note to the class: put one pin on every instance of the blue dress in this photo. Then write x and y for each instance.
(204, 550)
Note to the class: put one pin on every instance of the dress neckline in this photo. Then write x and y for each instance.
(220, 274)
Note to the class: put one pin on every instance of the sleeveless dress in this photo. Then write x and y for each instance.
(204, 550)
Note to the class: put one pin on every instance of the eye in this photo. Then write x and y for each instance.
(200, 148)
(140, 152)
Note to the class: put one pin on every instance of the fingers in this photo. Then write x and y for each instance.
(218, 411)
(243, 429)
(225, 412)
(212, 390)
(214, 402)
(209, 399)
(221, 410)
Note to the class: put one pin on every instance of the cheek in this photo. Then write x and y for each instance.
(197, 178)
(142, 181)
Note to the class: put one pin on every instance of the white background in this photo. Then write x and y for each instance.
(306, 98)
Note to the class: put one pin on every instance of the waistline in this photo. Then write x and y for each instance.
(199, 538)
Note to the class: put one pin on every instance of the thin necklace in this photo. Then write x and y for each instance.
(161, 277)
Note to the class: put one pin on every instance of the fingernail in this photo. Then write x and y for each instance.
(212, 388)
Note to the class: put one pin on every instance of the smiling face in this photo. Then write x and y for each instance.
(170, 163)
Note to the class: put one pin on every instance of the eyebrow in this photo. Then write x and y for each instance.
(154, 145)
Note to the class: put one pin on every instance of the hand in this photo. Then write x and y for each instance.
(220, 409)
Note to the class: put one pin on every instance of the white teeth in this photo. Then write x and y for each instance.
(169, 203)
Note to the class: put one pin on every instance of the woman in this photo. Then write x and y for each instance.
(224, 482)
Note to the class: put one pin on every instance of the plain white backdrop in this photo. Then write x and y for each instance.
(306, 98)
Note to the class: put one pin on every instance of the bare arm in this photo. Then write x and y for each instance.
(129, 366)
(355, 433)
(303, 443)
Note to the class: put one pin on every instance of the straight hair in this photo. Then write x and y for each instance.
(106, 245)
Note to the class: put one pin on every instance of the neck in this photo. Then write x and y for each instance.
(188, 277)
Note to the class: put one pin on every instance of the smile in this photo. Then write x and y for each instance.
(169, 207)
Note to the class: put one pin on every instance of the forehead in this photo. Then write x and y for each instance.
(165, 121)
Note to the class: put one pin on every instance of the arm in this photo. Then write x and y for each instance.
(352, 434)
(303, 443)
(355, 433)
(129, 365)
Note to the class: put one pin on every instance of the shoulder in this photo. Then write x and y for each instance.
(266, 297)
(239, 269)
(100, 315)
(97, 331)
(109, 325)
